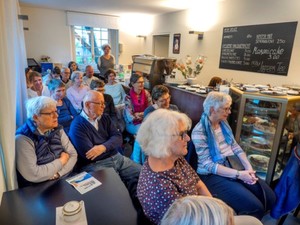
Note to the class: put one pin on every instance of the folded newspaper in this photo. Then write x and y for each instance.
(83, 182)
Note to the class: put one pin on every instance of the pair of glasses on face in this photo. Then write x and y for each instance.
(164, 99)
(182, 134)
(227, 109)
(98, 103)
(54, 113)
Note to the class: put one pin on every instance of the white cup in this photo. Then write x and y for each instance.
(71, 211)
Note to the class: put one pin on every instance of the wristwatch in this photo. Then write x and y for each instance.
(56, 176)
(237, 174)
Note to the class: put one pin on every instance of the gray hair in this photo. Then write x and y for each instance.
(35, 105)
(156, 134)
(54, 84)
(216, 100)
(64, 69)
(198, 210)
(103, 47)
(76, 74)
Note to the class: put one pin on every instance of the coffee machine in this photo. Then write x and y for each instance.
(153, 68)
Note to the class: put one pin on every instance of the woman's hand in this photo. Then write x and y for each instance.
(248, 176)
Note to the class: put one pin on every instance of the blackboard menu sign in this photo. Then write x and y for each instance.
(263, 48)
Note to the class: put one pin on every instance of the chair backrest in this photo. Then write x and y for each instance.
(191, 157)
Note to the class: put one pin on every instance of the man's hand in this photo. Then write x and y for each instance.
(64, 158)
(95, 152)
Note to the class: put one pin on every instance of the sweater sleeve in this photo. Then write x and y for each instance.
(115, 137)
(69, 148)
(26, 162)
(205, 162)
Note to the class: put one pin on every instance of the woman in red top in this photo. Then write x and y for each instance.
(136, 102)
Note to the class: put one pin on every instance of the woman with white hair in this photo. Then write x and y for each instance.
(106, 61)
(77, 91)
(202, 210)
(214, 141)
(166, 175)
(43, 150)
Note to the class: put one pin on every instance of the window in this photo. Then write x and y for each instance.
(88, 42)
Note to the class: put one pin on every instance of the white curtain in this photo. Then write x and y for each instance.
(12, 89)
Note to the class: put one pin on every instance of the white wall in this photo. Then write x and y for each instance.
(232, 13)
(49, 35)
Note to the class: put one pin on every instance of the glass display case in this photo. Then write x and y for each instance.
(262, 124)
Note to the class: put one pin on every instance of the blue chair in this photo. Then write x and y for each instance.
(192, 157)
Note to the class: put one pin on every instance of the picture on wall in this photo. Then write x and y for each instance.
(176, 44)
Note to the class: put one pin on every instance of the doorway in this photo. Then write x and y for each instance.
(161, 45)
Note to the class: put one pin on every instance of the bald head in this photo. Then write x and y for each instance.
(93, 104)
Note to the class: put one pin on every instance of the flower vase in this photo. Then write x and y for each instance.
(191, 80)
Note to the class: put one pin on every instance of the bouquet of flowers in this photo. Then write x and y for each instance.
(187, 69)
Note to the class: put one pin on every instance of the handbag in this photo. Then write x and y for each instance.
(234, 162)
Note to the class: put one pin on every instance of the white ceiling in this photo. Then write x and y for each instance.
(112, 7)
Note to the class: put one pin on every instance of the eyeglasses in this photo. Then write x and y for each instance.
(98, 103)
(164, 99)
(54, 113)
(182, 134)
(227, 109)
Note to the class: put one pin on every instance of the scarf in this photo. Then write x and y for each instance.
(211, 139)
(139, 102)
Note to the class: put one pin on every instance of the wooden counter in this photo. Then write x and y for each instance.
(190, 103)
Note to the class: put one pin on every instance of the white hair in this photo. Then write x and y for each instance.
(198, 210)
(75, 74)
(156, 134)
(35, 105)
(216, 100)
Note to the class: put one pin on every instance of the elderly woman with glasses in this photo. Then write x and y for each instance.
(43, 150)
(166, 175)
(214, 141)
(136, 102)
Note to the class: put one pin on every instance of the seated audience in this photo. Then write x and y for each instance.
(98, 141)
(73, 66)
(165, 175)
(202, 210)
(55, 74)
(214, 141)
(113, 88)
(161, 98)
(89, 75)
(98, 85)
(65, 77)
(215, 81)
(136, 102)
(43, 150)
(37, 87)
(77, 91)
(64, 107)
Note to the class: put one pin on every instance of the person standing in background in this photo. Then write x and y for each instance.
(106, 61)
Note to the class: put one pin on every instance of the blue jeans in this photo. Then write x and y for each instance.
(128, 170)
(245, 199)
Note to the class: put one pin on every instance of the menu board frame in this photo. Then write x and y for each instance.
(264, 48)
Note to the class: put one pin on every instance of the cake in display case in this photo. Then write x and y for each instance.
(259, 122)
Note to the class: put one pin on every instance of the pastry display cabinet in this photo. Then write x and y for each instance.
(261, 127)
